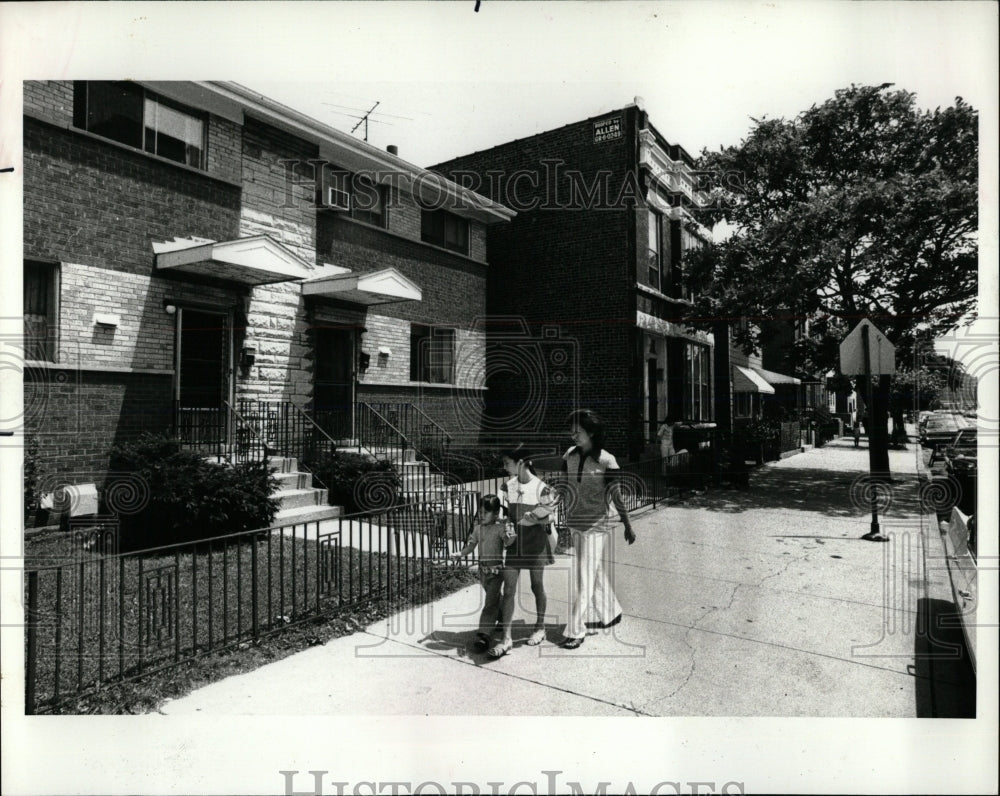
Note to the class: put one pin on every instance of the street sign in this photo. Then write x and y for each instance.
(881, 352)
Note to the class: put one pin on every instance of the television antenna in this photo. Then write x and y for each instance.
(365, 119)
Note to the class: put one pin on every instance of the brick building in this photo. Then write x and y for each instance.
(192, 247)
(586, 284)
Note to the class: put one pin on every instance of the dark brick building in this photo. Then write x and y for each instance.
(586, 284)
(188, 245)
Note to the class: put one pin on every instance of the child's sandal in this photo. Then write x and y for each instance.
(536, 638)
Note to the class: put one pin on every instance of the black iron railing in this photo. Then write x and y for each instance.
(422, 433)
(100, 619)
(288, 430)
(219, 431)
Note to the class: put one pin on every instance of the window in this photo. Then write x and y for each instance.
(368, 202)
(743, 404)
(40, 322)
(442, 228)
(127, 113)
(367, 199)
(654, 258)
(689, 242)
(432, 354)
(697, 382)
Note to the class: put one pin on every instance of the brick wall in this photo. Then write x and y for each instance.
(271, 205)
(454, 287)
(95, 203)
(565, 264)
(50, 99)
(78, 416)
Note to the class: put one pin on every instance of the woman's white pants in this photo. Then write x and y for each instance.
(590, 586)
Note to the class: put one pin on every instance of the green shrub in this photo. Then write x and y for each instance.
(181, 497)
(357, 482)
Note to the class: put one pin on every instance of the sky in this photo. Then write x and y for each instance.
(464, 81)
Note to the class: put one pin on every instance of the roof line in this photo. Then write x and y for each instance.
(269, 107)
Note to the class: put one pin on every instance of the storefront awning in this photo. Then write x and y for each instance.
(380, 287)
(776, 378)
(746, 380)
(257, 260)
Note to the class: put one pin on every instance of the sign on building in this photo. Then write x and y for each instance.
(607, 129)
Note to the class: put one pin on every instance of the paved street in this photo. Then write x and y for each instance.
(763, 602)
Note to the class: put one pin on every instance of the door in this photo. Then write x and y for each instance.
(203, 365)
(333, 385)
(652, 388)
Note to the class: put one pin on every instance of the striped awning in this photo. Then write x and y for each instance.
(747, 380)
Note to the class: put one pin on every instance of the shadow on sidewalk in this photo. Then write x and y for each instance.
(460, 643)
(945, 681)
(832, 494)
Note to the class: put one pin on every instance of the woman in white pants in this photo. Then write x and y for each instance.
(591, 475)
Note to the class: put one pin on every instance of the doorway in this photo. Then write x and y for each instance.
(203, 367)
(652, 399)
(333, 381)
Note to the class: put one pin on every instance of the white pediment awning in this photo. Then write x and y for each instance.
(257, 260)
(380, 287)
(746, 380)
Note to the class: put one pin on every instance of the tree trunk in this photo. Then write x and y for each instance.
(878, 428)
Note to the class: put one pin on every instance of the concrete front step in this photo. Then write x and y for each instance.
(296, 480)
(306, 514)
(283, 464)
(298, 498)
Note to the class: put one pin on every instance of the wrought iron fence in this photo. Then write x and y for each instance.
(97, 619)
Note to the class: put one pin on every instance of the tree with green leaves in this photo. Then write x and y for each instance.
(864, 206)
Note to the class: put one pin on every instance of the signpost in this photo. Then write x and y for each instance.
(867, 352)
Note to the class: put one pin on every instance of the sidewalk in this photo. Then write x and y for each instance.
(763, 602)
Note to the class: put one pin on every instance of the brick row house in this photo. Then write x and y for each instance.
(194, 248)
(586, 285)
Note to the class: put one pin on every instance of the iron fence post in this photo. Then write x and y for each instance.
(253, 586)
(31, 622)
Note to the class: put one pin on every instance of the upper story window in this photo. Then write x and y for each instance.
(655, 259)
(357, 196)
(128, 113)
(442, 228)
(368, 202)
(432, 354)
(689, 242)
(40, 310)
(697, 382)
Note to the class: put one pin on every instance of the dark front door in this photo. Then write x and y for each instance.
(333, 387)
(203, 361)
(651, 387)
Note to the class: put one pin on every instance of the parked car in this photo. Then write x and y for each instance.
(962, 466)
(939, 430)
(960, 455)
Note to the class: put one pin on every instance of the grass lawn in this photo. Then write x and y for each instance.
(152, 626)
